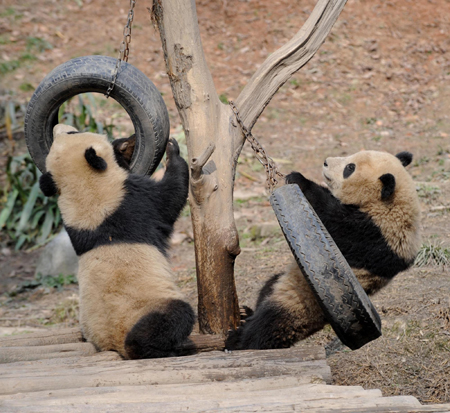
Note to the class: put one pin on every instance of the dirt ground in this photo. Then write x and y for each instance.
(380, 81)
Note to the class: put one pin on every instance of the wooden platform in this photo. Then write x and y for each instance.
(69, 376)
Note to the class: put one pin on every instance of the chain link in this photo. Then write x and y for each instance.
(124, 49)
(260, 154)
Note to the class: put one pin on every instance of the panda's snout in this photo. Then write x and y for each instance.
(325, 164)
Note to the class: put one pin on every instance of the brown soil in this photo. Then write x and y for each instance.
(380, 81)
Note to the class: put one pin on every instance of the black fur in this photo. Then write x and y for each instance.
(271, 326)
(72, 132)
(147, 213)
(47, 184)
(158, 333)
(356, 235)
(266, 291)
(123, 150)
(405, 157)
(97, 162)
(388, 181)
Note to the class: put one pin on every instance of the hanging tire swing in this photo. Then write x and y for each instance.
(134, 91)
(344, 302)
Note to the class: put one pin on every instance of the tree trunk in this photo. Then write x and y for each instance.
(215, 141)
(211, 145)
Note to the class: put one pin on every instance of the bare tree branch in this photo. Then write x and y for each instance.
(197, 164)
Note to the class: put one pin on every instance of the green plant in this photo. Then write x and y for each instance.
(39, 44)
(46, 281)
(27, 215)
(223, 98)
(10, 66)
(429, 193)
(26, 87)
(82, 117)
(434, 255)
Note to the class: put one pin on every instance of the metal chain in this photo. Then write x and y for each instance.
(124, 49)
(260, 154)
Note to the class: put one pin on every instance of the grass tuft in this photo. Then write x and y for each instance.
(432, 255)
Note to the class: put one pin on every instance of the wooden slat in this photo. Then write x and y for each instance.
(196, 343)
(206, 367)
(273, 394)
(43, 338)
(13, 354)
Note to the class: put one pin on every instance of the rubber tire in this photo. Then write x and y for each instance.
(133, 91)
(344, 302)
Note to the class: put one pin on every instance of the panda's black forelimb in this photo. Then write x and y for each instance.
(160, 333)
(320, 198)
(174, 186)
(47, 184)
(355, 233)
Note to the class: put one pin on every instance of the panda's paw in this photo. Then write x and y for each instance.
(297, 178)
(172, 149)
(233, 340)
(245, 312)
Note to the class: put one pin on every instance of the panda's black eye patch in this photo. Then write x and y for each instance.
(349, 169)
(72, 132)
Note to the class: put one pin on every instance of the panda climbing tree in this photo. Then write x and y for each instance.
(215, 140)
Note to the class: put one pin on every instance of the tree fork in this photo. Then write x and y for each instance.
(207, 121)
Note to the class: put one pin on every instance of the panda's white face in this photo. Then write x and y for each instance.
(87, 194)
(358, 179)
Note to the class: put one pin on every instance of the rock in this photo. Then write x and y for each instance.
(6, 252)
(58, 257)
(265, 230)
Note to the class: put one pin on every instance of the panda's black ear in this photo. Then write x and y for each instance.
(388, 181)
(405, 157)
(47, 184)
(97, 162)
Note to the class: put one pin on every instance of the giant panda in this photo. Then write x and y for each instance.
(371, 210)
(119, 224)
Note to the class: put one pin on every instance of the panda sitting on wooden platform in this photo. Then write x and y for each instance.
(371, 210)
(120, 224)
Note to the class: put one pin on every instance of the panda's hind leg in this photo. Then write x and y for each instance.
(286, 312)
(159, 333)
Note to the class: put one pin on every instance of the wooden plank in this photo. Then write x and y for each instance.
(14, 354)
(189, 395)
(196, 343)
(43, 338)
(297, 354)
(261, 395)
(181, 392)
(206, 367)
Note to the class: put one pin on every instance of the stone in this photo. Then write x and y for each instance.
(58, 257)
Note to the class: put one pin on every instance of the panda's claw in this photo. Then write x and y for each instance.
(172, 148)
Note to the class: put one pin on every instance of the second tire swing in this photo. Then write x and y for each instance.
(134, 91)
